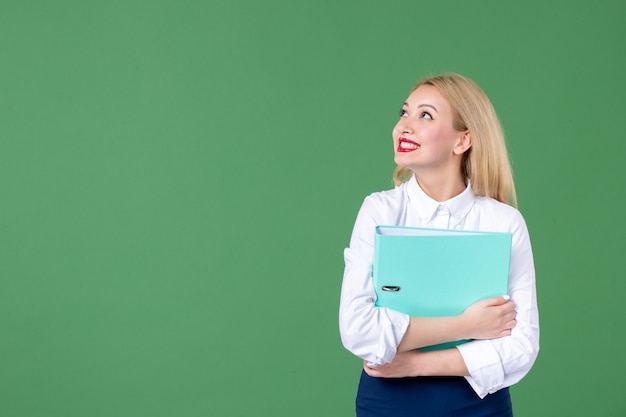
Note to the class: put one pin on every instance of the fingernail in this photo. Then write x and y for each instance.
(506, 297)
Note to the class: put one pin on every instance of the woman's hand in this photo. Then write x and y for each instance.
(490, 319)
(403, 365)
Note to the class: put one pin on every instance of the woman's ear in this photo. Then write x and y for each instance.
(464, 143)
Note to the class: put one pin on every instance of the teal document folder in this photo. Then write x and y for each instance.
(432, 272)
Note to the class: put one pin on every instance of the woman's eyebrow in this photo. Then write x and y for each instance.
(428, 105)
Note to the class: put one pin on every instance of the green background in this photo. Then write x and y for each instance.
(178, 180)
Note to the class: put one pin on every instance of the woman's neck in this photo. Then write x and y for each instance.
(440, 188)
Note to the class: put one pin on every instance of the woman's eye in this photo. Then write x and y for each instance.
(403, 113)
(426, 115)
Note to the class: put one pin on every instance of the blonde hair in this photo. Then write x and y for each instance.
(486, 164)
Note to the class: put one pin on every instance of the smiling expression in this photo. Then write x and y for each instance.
(424, 137)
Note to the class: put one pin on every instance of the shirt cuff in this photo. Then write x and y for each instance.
(391, 337)
(483, 362)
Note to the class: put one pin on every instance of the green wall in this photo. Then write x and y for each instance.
(178, 180)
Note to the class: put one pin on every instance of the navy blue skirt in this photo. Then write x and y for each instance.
(427, 397)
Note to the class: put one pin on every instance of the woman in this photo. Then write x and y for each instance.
(453, 173)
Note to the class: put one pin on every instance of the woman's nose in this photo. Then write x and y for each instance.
(404, 126)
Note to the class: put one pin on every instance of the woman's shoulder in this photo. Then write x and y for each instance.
(383, 206)
(498, 210)
(387, 198)
(493, 204)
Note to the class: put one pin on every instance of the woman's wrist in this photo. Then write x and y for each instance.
(463, 326)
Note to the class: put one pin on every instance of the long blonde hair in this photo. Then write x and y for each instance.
(486, 164)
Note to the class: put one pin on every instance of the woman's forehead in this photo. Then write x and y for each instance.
(428, 95)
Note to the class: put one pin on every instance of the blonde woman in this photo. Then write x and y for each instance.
(453, 173)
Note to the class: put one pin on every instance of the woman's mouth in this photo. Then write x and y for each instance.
(406, 145)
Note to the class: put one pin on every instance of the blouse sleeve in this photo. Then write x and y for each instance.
(498, 363)
(369, 332)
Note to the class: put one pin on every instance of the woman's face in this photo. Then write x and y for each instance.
(424, 138)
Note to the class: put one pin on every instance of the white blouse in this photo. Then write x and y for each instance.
(373, 333)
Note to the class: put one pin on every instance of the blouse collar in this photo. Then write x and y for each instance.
(427, 208)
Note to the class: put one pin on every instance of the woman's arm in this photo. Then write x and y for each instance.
(498, 363)
(486, 319)
(446, 362)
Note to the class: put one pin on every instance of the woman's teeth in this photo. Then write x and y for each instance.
(408, 145)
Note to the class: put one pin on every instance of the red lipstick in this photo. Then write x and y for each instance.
(406, 145)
